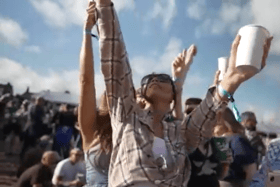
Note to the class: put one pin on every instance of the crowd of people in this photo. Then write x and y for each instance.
(41, 133)
(141, 137)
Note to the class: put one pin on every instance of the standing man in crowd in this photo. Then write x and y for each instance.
(40, 174)
(34, 126)
(70, 171)
(249, 122)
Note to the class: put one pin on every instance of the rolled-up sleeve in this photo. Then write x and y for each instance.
(115, 64)
(197, 126)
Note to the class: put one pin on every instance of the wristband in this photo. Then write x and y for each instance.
(86, 31)
(223, 92)
(176, 79)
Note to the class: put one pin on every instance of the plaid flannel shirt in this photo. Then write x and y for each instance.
(132, 158)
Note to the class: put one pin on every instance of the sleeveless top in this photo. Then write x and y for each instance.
(97, 167)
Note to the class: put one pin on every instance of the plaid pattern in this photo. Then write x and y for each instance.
(132, 158)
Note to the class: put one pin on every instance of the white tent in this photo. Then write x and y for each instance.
(58, 97)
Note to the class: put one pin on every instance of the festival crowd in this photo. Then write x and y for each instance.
(141, 137)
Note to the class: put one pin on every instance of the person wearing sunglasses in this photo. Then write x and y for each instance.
(150, 146)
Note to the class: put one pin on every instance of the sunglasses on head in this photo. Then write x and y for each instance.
(161, 78)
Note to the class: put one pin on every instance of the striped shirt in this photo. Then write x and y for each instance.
(132, 160)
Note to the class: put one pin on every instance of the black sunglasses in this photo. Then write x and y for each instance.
(161, 78)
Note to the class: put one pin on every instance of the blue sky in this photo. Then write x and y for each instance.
(40, 43)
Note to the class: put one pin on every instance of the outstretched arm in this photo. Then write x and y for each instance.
(114, 64)
(180, 68)
(87, 100)
(197, 127)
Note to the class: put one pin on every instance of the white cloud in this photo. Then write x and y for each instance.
(21, 77)
(196, 9)
(166, 10)
(157, 63)
(63, 13)
(11, 32)
(272, 70)
(229, 13)
(124, 5)
(33, 49)
(161, 63)
(229, 18)
(266, 13)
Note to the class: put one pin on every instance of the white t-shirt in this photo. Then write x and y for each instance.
(68, 171)
(159, 148)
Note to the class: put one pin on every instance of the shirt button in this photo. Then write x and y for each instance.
(157, 182)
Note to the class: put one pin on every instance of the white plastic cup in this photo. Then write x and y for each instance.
(250, 49)
(222, 65)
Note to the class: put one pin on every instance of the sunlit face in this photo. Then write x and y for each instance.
(157, 89)
(157, 86)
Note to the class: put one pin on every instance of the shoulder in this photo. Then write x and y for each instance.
(64, 162)
(31, 171)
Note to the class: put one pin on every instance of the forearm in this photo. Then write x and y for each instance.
(178, 114)
(199, 124)
(66, 183)
(224, 171)
(114, 62)
(58, 181)
(86, 61)
(250, 171)
(87, 101)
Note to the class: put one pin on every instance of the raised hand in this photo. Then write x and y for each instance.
(216, 79)
(182, 63)
(234, 77)
(91, 16)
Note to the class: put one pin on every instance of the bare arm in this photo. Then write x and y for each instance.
(58, 181)
(250, 171)
(180, 68)
(224, 171)
(87, 100)
(198, 126)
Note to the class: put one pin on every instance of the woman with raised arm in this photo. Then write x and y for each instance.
(150, 148)
(94, 124)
